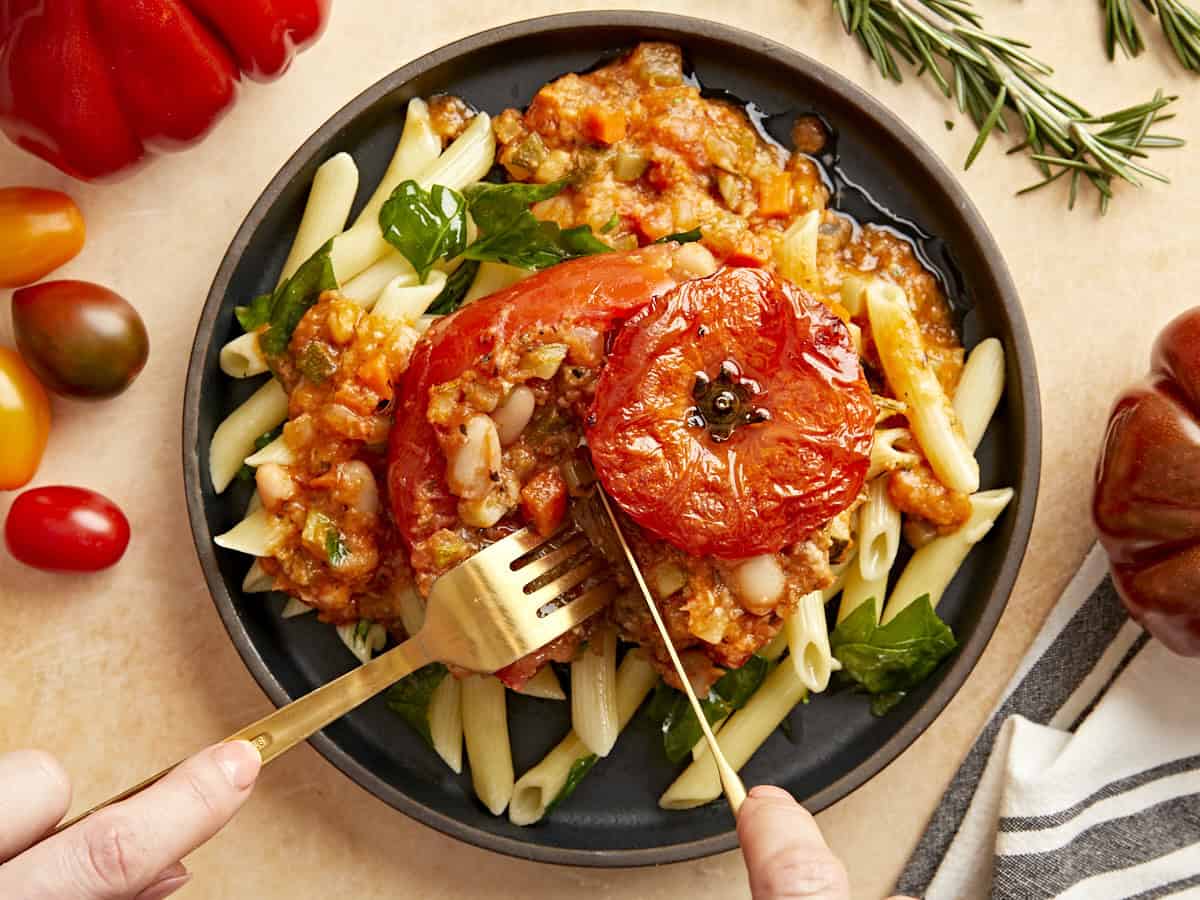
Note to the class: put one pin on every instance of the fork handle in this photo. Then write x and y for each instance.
(280, 731)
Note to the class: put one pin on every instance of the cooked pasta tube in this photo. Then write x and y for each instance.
(279, 451)
(743, 734)
(930, 414)
(856, 591)
(933, 566)
(332, 193)
(485, 727)
(402, 301)
(840, 572)
(979, 390)
(796, 253)
(234, 438)
(594, 714)
(878, 532)
(363, 638)
(257, 580)
(493, 277)
(412, 609)
(419, 145)
(887, 457)
(243, 357)
(365, 288)
(854, 294)
(538, 789)
(257, 535)
(294, 607)
(701, 746)
(808, 643)
(446, 722)
(464, 162)
(544, 685)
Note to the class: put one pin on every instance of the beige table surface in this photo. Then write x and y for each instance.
(122, 671)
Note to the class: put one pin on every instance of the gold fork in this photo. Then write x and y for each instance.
(506, 601)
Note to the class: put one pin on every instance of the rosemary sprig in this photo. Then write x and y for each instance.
(1180, 23)
(987, 74)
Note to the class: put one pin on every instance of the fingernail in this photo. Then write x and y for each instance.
(240, 762)
(171, 880)
(769, 792)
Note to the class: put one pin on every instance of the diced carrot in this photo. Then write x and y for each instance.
(605, 126)
(374, 374)
(544, 501)
(775, 195)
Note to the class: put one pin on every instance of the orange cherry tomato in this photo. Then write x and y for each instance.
(24, 420)
(39, 231)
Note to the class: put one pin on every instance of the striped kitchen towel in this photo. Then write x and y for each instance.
(1085, 782)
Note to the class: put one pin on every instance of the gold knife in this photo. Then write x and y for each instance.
(735, 791)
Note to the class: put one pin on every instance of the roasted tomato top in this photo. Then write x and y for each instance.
(592, 293)
(732, 417)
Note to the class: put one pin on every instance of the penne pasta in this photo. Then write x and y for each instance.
(257, 580)
(363, 638)
(594, 715)
(854, 294)
(294, 607)
(412, 609)
(485, 727)
(419, 145)
(857, 590)
(701, 746)
(878, 532)
(279, 451)
(257, 535)
(933, 566)
(329, 200)
(493, 277)
(538, 789)
(365, 288)
(234, 438)
(744, 732)
(464, 162)
(931, 416)
(446, 722)
(979, 390)
(243, 357)
(887, 457)
(796, 252)
(808, 643)
(403, 301)
(840, 573)
(544, 684)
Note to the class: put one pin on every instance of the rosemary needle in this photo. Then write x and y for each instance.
(1180, 23)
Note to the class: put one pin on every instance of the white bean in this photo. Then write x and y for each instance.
(514, 414)
(275, 485)
(472, 464)
(361, 491)
(759, 583)
(693, 261)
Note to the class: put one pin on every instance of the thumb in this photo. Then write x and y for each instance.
(786, 857)
(121, 851)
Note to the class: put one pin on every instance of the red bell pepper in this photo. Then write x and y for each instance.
(91, 85)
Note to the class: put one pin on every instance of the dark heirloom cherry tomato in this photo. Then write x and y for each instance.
(81, 339)
(24, 421)
(732, 417)
(596, 291)
(66, 529)
(1147, 500)
(39, 231)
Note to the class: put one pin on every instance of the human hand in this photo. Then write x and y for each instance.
(786, 857)
(128, 851)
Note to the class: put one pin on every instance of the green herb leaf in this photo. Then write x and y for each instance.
(681, 728)
(575, 774)
(293, 298)
(425, 225)
(510, 233)
(681, 237)
(610, 224)
(256, 314)
(457, 285)
(409, 698)
(888, 660)
(316, 363)
(335, 547)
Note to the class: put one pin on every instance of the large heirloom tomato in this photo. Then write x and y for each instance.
(1147, 500)
(732, 417)
(594, 292)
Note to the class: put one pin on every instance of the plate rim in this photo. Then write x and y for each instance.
(1022, 510)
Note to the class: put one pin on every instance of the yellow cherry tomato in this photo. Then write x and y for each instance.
(39, 231)
(24, 420)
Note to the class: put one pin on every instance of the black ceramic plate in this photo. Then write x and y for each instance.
(613, 818)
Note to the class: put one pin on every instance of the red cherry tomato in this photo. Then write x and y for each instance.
(595, 291)
(66, 529)
(732, 417)
(24, 421)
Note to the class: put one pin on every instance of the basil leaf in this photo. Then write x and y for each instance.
(335, 548)
(610, 224)
(681, 237)
(888, 660)
(681, 728)
(456, 288)
(425, 225)
(575, 774)
(409, 698)
(510, 233)
(293, 298)
(256, 314)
